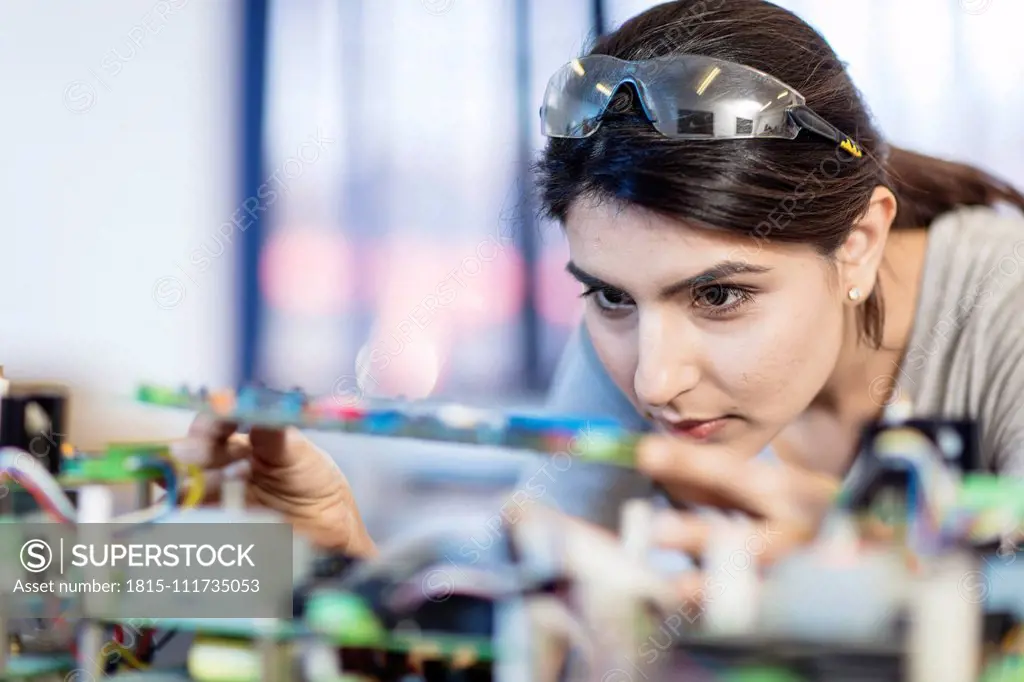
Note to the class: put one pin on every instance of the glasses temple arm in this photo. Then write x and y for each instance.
(808, 120)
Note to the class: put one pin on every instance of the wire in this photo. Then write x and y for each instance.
(162, 642)
(125, 654)
(158, 511)
(128, 657)
(479, 583)
(29, 473)
(197, 487)
(144, 651)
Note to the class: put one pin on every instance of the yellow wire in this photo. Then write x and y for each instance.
(128, 657)
(193, 472)
(197, 487)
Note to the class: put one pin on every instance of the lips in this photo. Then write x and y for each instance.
(697, 429)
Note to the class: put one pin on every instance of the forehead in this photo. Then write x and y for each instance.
(627, 244)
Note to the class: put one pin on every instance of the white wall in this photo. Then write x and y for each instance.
(118, 122)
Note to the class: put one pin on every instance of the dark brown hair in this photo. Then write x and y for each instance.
(804, 190)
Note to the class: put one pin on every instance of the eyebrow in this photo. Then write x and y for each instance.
(716, 272)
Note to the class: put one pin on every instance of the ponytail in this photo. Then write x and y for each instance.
(926, 187)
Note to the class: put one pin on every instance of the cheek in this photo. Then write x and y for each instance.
(784, 357)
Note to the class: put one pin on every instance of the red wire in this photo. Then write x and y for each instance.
(145, 645)
(38, 496)
(146, 640)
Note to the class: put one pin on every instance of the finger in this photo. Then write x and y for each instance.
(277, 449)
(766, 541)
(213, 454)
(269, 444)
(722, 480)
(207, 427)
(686, 532)
(692, 590)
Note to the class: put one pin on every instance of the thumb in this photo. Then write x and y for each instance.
(270, 446)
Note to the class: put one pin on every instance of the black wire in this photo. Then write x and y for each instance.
(157, 646)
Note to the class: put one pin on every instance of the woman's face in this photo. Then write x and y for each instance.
(717, 338)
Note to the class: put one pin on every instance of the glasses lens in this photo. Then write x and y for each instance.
(698, 97)
(578, 94)
(686, 96)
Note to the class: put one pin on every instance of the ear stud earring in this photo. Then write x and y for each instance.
(854, 294)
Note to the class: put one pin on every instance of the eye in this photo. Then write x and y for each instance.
(720, 299)
(609, 299)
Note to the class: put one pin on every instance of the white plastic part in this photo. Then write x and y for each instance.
(514, 659)
(731, 602)
(898, 411)
(211, 661)
(5, 385)
(825, 594)
(95, 504)
(320, 662)
(233, 494)
(636, 525)
(946, 620)
(90, 647)
(37, 422)
(555, 632)
(273, 660)
(611, 591)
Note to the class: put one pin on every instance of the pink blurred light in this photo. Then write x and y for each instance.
(404, 270)
(307, 271)
(558, 293)
(471, 284)
(489, 285)
(399, 367)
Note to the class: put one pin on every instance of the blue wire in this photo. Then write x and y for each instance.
(170, 477)
(170, 480)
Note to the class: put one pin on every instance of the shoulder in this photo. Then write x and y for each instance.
(581, 386)
(966, 356)
(978, 236)
(974, 258)
(973, 271)
(998, 335)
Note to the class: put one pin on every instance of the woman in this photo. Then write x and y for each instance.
(762, 275)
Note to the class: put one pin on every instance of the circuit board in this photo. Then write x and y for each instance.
(591, 438)
(354, 619)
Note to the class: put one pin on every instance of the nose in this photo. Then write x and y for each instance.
(667, 363)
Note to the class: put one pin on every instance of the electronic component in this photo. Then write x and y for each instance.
(593, 439)
(784, 659)
(879, 594)
(230, 660)
(33, 419)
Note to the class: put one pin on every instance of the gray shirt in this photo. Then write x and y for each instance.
(965, 357)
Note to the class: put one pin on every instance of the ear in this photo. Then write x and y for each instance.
(860, 256)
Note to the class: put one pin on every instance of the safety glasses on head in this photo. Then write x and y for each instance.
(684, 96)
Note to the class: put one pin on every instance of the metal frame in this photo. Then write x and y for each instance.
(253, 104)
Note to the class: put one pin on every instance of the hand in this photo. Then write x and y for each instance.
(283, 472)
(787, 503)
